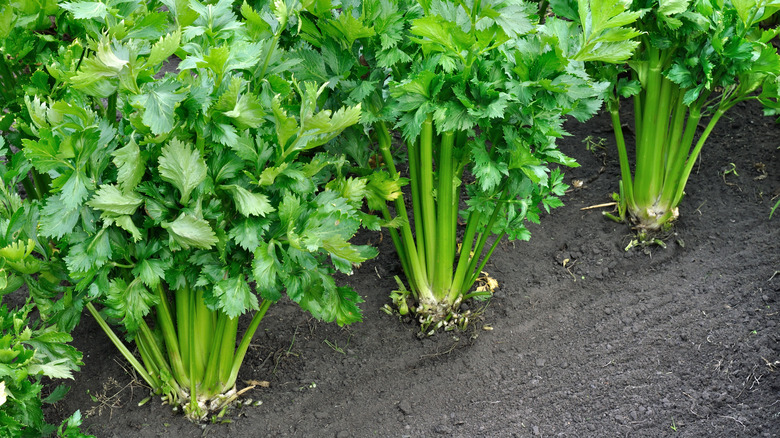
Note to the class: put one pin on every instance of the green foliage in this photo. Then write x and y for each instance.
(180, 199)
(694, 62)
(29, 352)
(479, 88)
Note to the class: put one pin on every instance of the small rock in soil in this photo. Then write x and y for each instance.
(442, 429)
(405, 407)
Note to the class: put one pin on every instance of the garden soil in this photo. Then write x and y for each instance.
(581, 339)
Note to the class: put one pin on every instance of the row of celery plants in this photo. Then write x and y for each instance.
(180, 201)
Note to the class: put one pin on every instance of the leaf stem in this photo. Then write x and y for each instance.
(650, 147)
(111, 109)
(243, 346)
(625, 167)
(427, 201)
(445, 231)
(694, 155)
(472, 270)
(211, 376)
(123, 349)
(465, 250)
(405, 244)
(165, 320)
(476, 272)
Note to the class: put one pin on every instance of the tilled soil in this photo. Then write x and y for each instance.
(582, 339)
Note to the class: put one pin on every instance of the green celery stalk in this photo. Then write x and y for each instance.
(445, 231)
(243, 346)
(140, 369)
(165, 320)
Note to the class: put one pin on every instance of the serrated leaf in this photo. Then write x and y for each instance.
(164, 48)
(130, 166)
(286, 126)
(245, 109)
(151, 26)
(182, 166)
(216, 60)
(110, 199)
(89, 252)
(150, 271)
(351, 189)
(51, 348)
(351, 28)
(681, 76)
(559, 157)
(56, 219)
(57, 394)
(627, 88)
(551, 202)
(191, 232)
(86, 10)
(56, 369)
(74, 191)
(514, 20)
(158, 101)
(439, 34)
(604, 38)
(18, 256)
(99, 73)
(126, 223)
(326, 125)
(248, 203)
(255, 21)
(608, 52)
(537, 174)
(181, 10)
(340, 305)
(265, 269)
(382, 188)
(129, 302)
(671, 7)
(17, 251)
(245, 148)
(44, 153)
(246, 233)
(269, 174)
(235, 297)
(353, 254)
(488, 173)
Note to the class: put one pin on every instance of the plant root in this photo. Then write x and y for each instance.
(441, 316)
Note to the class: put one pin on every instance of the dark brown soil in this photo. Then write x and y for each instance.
(682, 341)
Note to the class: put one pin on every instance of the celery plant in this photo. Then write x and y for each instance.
(479, 91)
(696, 61)
(205, 201)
